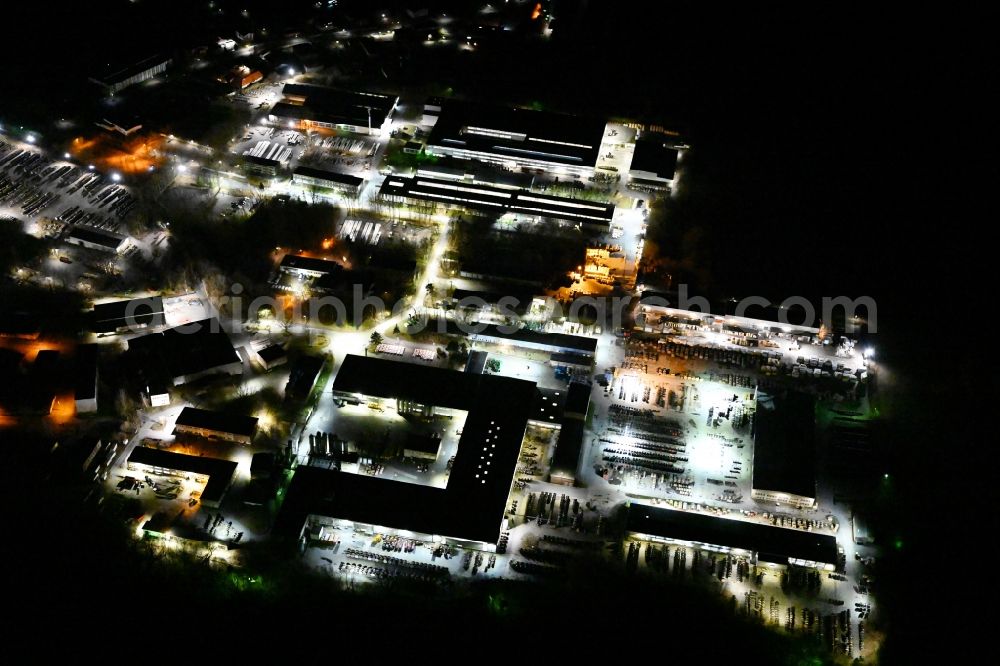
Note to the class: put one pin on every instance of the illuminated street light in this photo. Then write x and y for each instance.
(66, 156)
(30, 138)
(116, 177)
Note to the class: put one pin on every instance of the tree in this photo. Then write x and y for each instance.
(376, 339)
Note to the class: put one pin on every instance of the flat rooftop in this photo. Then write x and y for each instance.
(107, 317)
(95, 237)
(498, 200)
(272, 353)
(517, 302)
(574, 343)
(477, 362)
(784, 449)
(472, 504)
(260, 161)
(300, 263)
(568, 447)
(235, 424)
(330, 176)
(655, 157)
(334, 106)
(772, 544)
(184, 350)
(548, 405)
(578, 398)
(219, 472)
(518, 133)
(116, 76)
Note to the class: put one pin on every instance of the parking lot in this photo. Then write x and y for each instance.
(67, 195)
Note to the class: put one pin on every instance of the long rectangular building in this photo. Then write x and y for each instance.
(765, 543)
(183, 354)
(784, 452)
(493, 200)
(216, 425)
(119, 79)
(528, 339)
(517, 138)
(331, 180)
(131, 315)
(309, 106)
(96, 240)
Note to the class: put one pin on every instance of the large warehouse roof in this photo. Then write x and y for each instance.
(784, 449)
(204, 419)
(301, 263)
(329, 105)
(499, 200)
(111, 316)
(331, 176)
(518, 133)
(655, 157)
(219, 472)
(471, 506)
(183, 351)
(562, 341)
(772, 544)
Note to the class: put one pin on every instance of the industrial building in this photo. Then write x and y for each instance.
(303, 376)
(566, 460)
(654, 166)
(307, 106)
(260, 166)
(217, 474)
(784, 452)
(496, 201)
(93, 239)
(271, 357)
(478, 173)
(181, 355)
(304, 267)
(516, 138)
(216, 425)
(422, 447)
(762, 543)
(475, 300)
(117, 80)
(477, 362)
(527, 339)
(128, 315)
(240, 77)
(339, 182)
(469, 510)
